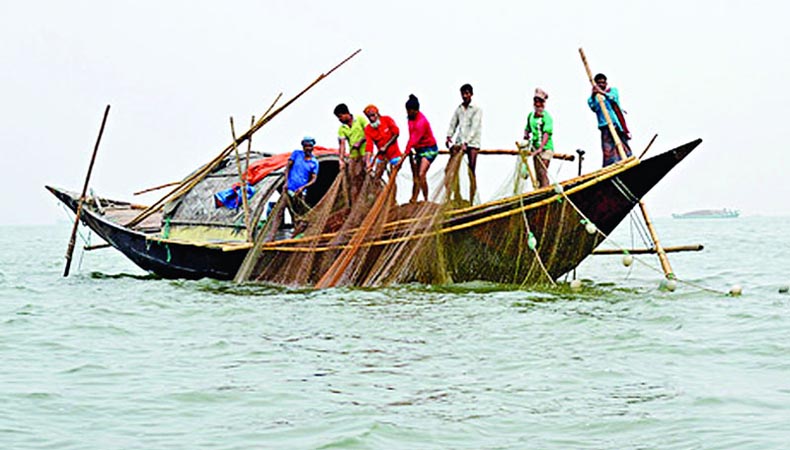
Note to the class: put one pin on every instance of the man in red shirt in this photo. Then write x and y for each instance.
(382, 131)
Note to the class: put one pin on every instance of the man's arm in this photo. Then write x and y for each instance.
(368, 141)
(341, 148)
(287, 171)
(313, 178)
(454, 121)
(384, 148)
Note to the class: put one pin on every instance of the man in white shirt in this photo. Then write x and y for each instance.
(465, 127)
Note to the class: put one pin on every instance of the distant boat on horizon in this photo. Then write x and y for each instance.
(709, 214)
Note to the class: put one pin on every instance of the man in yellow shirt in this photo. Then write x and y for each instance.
(351, 137)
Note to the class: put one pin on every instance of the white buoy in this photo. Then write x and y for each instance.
(591, 228)
(667, 285)
(576, 285)
(558, 188)
(736, 290)
(628, 259)
(532, 242)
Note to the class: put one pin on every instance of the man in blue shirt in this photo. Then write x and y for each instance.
(612, 101)
(302, 169)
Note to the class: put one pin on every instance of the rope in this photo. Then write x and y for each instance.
(535, 248)
(657, 270)
(640, 228)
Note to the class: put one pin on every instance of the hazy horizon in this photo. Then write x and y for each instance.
(174, 72)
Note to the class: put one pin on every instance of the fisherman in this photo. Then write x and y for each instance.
(423, 143)
(465, 126)
(301, 171)
(383, 132)
(538, 132)
(351, 135)
(612, 101)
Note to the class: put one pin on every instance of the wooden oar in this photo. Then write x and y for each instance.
(243, 183)
(70, 249)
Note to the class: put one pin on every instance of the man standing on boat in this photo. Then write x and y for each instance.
(612, 101)
(539, 132)
(383, 132)
(466, 125)
(424, 144)
(301, 171)
(351, 135)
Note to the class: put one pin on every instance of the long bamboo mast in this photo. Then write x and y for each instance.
(73, 237)
(187, 184)
(242, 182)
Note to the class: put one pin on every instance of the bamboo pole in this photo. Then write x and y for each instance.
(562, 156)
(187, 184)
(72, 239)
(249, 148)
(525, 160)
(662, 254)
(243, 183)
(156, 188)
(644, 251)
(617, 142)
(89, 248)
(649, 144)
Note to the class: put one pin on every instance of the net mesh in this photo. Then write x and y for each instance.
(372, 240)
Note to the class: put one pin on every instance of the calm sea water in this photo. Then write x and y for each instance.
(113, 358)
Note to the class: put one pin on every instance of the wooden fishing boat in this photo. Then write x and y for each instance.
(528, 238)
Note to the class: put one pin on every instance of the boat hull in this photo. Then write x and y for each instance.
(557, 221)
(165, 259)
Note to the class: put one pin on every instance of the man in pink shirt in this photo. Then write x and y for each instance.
(424, 144)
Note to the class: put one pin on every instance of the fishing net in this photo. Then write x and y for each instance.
(372, 240)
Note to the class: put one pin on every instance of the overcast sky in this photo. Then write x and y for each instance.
(175, 71)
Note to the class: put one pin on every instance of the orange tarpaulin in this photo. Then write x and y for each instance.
(258, 170)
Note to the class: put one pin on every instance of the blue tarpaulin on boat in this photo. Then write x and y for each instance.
(231, 198)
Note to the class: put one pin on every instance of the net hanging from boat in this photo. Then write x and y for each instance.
(374, 241)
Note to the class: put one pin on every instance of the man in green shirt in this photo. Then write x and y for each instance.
(539, 131)
(351, 136)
